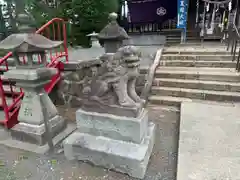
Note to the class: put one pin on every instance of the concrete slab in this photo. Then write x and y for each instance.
(209, 146)
(146, 40)
(10, 142)
(80, 53)
(148, 54)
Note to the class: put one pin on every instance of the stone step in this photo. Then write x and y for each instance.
(172, 37)
(197, 94)
(212, 49)
(192, 63)
(189, 43)
(198, 52)
(199, 44)
(178, 30)
(209, 74)
(197, 84)
(177, 36)
(176, 101)
(198, 69)
(170, 43)
(167, 100)
(164, 108)
(197, 56)
(173, 42)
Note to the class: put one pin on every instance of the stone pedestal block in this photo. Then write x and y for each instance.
(114, 142)
(115, 127)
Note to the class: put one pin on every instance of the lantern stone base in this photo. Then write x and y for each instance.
(11, 142)
(36, 134)
(114, 142)
(31, 130)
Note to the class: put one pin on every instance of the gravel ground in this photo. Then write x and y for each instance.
(20, 165)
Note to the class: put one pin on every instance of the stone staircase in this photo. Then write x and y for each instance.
(173, 36)
(199, 73)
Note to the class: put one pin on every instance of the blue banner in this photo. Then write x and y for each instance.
(182, 14)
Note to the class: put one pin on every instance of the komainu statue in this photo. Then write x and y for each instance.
(111, 86)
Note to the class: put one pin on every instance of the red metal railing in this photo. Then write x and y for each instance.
(54, 30)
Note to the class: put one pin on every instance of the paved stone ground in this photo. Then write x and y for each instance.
(76, 54)
(20, 165)
(209, 146)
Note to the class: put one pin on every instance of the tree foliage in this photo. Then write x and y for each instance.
(43, 11)
(3, 27)
(8, 12)
(84, 16)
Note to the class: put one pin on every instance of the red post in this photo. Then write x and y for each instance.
(65, 40)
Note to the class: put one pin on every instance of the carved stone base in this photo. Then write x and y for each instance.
(122, 156)
(36, 134)
(112, 126)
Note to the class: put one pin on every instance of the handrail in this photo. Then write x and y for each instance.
(48, 23)
(64, 33)
(235, 17)
(236, 30)
(2, 60)
(235, 38)
(150, 75)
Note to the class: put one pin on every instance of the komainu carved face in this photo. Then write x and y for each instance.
(129, 55)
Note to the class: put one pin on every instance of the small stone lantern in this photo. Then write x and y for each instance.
(94, 40)
(112, 35)
(32, 78)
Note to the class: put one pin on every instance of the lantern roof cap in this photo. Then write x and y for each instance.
(26, 23)
(93, 34)
(23, 42)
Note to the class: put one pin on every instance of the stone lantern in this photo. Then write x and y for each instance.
(94, 40)
(112, 35)
(32, 78)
